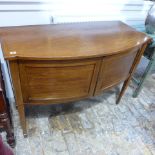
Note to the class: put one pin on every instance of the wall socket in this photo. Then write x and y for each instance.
(51, 20)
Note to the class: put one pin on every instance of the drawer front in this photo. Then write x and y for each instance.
(115, 69)
(57, 81)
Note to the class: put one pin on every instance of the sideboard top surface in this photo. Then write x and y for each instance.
(69, 41)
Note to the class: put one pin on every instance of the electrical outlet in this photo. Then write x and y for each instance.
(52, 20)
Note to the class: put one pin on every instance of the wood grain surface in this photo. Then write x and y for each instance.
(69, 41)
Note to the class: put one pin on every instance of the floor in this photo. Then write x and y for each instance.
(94, 126)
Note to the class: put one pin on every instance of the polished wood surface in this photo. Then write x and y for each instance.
(57, 81)
(69, 41)
(68, 62)
(115, 69)
(5, 115)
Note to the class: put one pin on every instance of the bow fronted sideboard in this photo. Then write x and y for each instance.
(67, 62)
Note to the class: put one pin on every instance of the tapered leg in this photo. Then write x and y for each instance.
(124, 87)
(133, 68)
(14, 69)
(21, 111)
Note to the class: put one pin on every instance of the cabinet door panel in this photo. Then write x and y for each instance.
(115, 69)
(55, 81)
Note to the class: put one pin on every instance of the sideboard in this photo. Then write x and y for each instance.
(67, 62)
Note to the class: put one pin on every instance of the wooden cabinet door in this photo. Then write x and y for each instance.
(115, 69)
(57, 81)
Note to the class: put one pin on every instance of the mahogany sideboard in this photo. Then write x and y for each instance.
(66, 62)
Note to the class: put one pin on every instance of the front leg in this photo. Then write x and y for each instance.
(14, 69)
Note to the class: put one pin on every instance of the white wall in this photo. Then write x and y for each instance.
(129, 11)
(31, 12)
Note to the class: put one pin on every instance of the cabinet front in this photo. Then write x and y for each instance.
(115, 69)
(57, 81)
